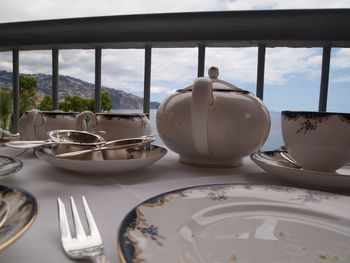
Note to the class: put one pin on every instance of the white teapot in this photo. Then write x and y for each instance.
(213, 123)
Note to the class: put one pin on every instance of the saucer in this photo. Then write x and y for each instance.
(114, 166)
(9, 165)
(273, 163)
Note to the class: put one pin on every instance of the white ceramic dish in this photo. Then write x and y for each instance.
(9, 165)
(4, 211)
(22, 212)
(238, 223)
(275, 164)
(101, 166)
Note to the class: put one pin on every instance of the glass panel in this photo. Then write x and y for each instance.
(292, 82)
(6, 108)
(339, 81)
(172, 69)
(236, 65)
(123, 72)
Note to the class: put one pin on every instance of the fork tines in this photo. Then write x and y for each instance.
(81, 240)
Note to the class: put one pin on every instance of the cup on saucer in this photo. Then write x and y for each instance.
(317, 141)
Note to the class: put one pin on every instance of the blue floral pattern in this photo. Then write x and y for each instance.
(217, 196)
(307, 126)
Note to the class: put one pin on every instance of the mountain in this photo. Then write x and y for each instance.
(69, 86)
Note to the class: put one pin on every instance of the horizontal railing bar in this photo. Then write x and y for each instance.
(272, 28)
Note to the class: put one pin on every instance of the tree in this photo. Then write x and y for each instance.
(106, 101)
(46, 103)
(5, 110)
(27, 89)
(76, 103)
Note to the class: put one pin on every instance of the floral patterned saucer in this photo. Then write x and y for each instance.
(274, 163)
(21, 215)
(238, 223)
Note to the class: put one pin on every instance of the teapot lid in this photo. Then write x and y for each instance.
(218, 84)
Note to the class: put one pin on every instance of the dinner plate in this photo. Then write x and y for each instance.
(4, 210)
(22, 213)
(102, 166)
(9, 165)
(274, 163)
(237, 223)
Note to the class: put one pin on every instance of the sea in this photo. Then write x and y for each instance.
(273, 141)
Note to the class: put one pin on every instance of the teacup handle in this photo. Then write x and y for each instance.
(81, 117)
(28, 124)
(202, 99)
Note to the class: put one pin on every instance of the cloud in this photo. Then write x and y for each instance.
(283, 64)
(341, 79)
(284, 4)
(161, 90)
(22, 10)
(340, 58)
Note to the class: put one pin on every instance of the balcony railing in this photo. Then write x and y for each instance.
(326, 28)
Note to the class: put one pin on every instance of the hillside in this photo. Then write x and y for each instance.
(69, 86)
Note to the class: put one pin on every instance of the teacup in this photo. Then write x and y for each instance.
(35, 124)
(317, 141)
(115, 126)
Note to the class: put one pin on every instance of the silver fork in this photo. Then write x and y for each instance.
(82, 245)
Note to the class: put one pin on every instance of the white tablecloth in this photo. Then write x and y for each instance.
(110, 198)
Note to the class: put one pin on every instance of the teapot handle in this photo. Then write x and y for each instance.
(80, 122)
(202, 99)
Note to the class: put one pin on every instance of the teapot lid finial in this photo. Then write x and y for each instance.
(213, 72)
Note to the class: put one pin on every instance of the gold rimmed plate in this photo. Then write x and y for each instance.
(275, 164)
(237, 223)
(22, 211)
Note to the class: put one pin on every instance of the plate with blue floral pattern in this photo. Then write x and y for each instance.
(22, 211)
(237, 223)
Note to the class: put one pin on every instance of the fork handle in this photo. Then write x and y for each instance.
(99, 259)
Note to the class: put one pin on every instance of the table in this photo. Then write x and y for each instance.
(110, 198)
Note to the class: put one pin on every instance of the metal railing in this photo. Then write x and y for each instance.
(326, 28)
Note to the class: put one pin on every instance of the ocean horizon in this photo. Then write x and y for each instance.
(273, 141)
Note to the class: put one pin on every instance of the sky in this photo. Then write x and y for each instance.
(292, 76)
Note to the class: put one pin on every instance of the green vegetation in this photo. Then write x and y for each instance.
(29, 100)
(27, 91)
(5, 109)
(76, 103)
(106, 101)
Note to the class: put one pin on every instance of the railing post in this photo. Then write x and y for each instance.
(98, 55)
(201, 61)
(326, 58)
(55, 79)
(15, 83)
(147, 80)
(260, 72)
